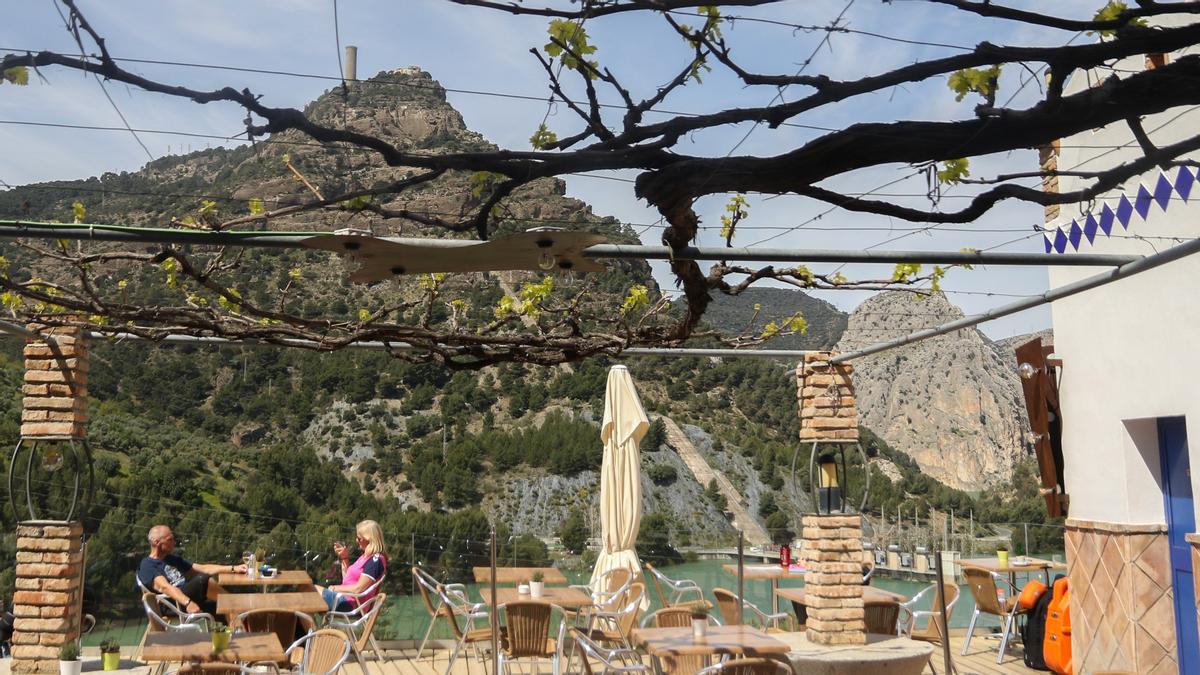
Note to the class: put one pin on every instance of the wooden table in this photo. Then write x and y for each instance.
(772, 572)
(1033, 565)
(232, 604)
(517, 575)
(718, 640)
(283, 578)
(563, 596)
(871, 595)
(195, 646)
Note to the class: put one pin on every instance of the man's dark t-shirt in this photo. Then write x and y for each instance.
(172, 567)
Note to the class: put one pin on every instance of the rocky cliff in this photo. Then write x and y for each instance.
(953, 403)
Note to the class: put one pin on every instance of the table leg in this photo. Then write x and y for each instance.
(774, 596)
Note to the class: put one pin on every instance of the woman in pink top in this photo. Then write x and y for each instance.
(363, 573)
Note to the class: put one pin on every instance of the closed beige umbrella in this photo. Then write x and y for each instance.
(622, 430)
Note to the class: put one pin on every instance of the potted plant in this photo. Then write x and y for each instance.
(110, 654)
(220, 638)
(68, 659)
(699, 622)
(1002, 554)
(536, 584)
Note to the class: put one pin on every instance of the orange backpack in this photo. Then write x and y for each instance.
(1056, 649)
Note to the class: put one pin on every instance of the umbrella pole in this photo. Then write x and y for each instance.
(741, 574)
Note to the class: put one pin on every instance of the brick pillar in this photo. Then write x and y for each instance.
(833, 595)
(46, 604)
(55, 387)
(825, 393)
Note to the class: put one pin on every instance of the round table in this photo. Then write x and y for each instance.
(882, 654)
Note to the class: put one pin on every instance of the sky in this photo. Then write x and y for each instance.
(487, 52)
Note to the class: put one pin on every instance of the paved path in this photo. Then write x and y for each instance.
(756, 535)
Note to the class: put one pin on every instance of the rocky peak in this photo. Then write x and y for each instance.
(952, 403)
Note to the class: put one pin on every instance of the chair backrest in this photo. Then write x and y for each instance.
(983, 588)
(427, 586)
(633, 607)
(607, 657)
(154, 613)
(672, 617)
(881, 617)
(325, 651)
(935, 629)
(727, 602)
(748, 666)
(528, 624)
(654, 576)
(281, 622)
(370, 616)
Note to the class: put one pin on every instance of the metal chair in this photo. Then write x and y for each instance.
(935, 629)
(984, 585)
(679, 589)
(359, 625)
(526, 625)
(460, 606)
(748, 666)
(222, 669)
(613, 660)
(359, 599)
(727, 602)
(281, 622)
(321, 652)
(162, 615)
(428, 587)
(609, 588)
(613, 627)
(677, 617)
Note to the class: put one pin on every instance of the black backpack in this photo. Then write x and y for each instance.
(1033, 635)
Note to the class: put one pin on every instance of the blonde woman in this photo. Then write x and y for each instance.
(363, 573)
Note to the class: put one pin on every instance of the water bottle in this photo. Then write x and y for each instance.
(252, 567)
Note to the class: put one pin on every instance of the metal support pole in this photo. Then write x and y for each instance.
(741, 574)
(1026, 538)
(493, 617)
(940, 595)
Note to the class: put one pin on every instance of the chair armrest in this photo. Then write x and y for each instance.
(582, 587)
(684, 584)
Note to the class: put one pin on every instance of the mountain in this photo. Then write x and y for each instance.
(733, 313)
(953, 403)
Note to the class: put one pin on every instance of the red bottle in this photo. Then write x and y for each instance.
(785, 555)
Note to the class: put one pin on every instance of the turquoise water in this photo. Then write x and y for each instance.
(405, 617)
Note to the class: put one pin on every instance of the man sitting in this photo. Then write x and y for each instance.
(184, 582)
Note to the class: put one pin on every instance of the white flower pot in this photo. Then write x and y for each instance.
(535, 588)
(699, 626)
(70, 667)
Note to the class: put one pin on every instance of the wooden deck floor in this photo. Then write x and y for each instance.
(981, 660)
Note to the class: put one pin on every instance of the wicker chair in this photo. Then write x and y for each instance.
(321, 652)
(281, 622)
(748, 666)
(676, 617)
(162, 615)
(526, 626)
(881, 617)
(613, 627)
(680, 589)
(221, 669)
(984, 585)
(467, 634)
(609, 589)
(727, 602)
(427, 586)
(359, 625)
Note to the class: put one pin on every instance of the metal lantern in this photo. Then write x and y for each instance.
(43, 469)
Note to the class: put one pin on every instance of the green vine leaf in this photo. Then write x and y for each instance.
(905, 271)
(484, 182)
(543, 138)
(357, 203)
(638, 298)
(171, 266)
(18, 75)
(79, 210)
(981, 81)
(953, 171)
(256, 207)
(1111, 12)
(575, 37)
(230, 305)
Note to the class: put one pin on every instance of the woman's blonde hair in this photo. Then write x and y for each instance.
(370, 530)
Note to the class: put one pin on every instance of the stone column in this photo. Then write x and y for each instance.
(833, 591)
(825, 393)
(46, 604)
(55, 385)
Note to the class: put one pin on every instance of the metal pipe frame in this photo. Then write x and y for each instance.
(12, 229)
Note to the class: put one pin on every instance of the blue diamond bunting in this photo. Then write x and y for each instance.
(1046, 241)
(1076, 233)
(1162, 191)
(1089, 228)
(1124, 212)
(1141, 203)
(1184, 181)
(1106, 220)
(1060, 241)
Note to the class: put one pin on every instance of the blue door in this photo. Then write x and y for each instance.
(1181, 520)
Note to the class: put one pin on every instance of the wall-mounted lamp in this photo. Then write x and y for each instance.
(1026, 371)
(546, 259)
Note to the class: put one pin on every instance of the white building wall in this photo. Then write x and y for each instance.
(1131, 350)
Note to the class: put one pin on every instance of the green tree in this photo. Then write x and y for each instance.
(573, 532)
